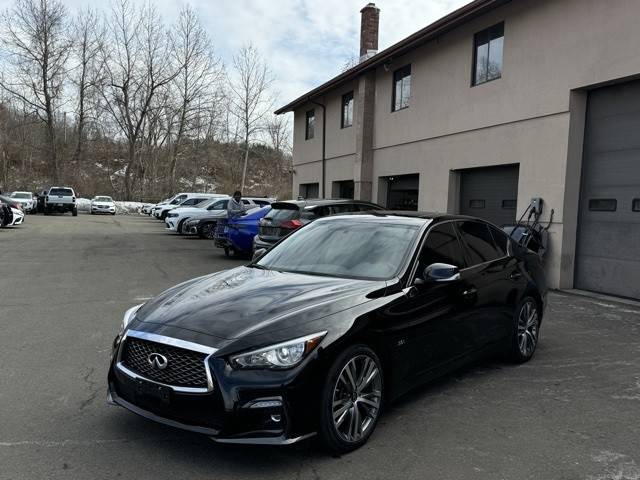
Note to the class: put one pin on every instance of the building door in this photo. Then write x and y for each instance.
(402, 192)
(608, 243)
(490, 193)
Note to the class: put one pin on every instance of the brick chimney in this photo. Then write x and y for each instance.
(369, 31)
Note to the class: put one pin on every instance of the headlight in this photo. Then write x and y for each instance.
(172, 215)
(282, 355)
(128, 316)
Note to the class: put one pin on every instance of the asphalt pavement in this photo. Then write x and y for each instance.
(573, 412)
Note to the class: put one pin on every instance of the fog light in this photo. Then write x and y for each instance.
(276, 418)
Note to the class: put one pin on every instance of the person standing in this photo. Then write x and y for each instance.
(235, 206)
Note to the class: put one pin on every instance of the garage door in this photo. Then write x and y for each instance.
(608, 249)
(490, 193)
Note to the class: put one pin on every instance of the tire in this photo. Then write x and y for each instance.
(46, 211)
(74, 212)
(526, 331)
(180, 225)
(337, 430)
(211, 234)
(163, 215)
(230, 252)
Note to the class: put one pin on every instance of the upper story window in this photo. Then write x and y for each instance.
(401, 88)
(310, 125)
(488, 46)
(347, 110)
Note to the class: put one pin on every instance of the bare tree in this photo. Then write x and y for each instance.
(87, 34)
(137, 62)
(250, 99)
(197, 82)
(278, 129)
(36, 47)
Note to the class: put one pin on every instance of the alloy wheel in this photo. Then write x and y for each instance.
(528, 324)
(357, 397)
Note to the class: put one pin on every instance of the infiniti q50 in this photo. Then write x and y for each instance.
(335, 321)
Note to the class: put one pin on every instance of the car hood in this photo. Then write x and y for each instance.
(246, 301)
(104, 204)
(187, 210)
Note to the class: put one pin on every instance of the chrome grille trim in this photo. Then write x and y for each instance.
(173, 342)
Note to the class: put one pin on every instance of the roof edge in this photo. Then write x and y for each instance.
(445, 24)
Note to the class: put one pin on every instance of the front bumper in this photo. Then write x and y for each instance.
(250, 407)
(171, 223)
(103, 209)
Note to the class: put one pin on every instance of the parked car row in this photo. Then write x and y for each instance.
(343, 308)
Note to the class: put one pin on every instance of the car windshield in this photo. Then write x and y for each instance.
(103, 199)
(61, 191)
(344, 248)
(21, 195)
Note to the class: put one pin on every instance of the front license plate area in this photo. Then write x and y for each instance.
(154, 391)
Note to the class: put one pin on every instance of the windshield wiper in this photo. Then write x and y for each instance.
(260, 267)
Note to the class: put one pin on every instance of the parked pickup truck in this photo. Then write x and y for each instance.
(60, 199)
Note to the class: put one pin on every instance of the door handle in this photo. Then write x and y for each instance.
(516, 275)
(469, 292)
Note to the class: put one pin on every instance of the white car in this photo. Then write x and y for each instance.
(26, 200)
(18, 217)
(103, 204)
(183, 200)
(216, 207)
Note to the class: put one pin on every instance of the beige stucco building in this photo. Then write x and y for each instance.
(539, 88)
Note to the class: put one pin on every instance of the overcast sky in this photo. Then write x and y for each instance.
(305, 41)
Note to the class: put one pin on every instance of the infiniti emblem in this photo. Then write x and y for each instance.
(157, 361)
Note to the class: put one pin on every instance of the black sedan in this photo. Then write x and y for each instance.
(339, 318)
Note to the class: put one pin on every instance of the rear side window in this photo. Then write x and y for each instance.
(363, 207)
(501, 240)
(221, 205)
(343, 208)
(479, 242)
(442, 246)
(67, 192)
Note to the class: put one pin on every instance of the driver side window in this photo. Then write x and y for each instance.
(442, 246)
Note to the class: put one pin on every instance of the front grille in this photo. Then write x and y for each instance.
(185, 368)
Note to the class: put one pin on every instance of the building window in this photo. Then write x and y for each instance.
(476, 204)
(635, 206)
(488, 46)
(347, 110)
(309, 190)
(310, 125)
(401, 88)
(603, 205)
(509, 204)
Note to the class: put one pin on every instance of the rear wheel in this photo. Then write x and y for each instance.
(74, 212)
(211, 231)
(526, 331)
(351, 399)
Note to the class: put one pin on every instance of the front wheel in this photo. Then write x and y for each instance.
(351, 399)
(526, 331)
(74, 212)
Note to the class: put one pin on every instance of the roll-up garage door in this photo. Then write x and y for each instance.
(490, 193)
(608, 247)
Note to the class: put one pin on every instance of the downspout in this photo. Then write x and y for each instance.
(324, 141)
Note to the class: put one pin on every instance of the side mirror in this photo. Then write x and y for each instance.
(440, 273)
(258, 254)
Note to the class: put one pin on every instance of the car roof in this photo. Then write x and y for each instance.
(312, 202)
(408, 216)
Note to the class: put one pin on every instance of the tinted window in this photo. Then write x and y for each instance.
(501, 240)
(442, 246)
(343, 208)
(479, 242)
(283, 214)
(488, 54)
(262, 203)
(61, 191)
(178, 199)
